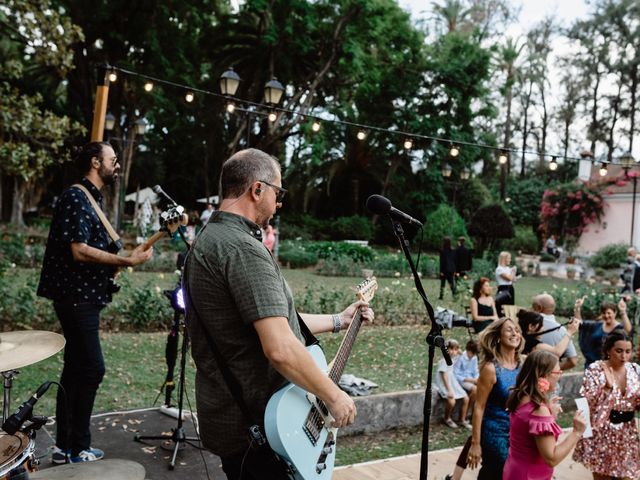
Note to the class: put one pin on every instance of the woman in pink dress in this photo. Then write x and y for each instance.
(612, 388)
(533, 433)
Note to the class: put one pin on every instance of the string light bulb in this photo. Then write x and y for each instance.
(454, 151)
(113, 76)
(361, 135)
(553, 164)
(408, 144)
(502, 158)
(148, 86)
(603, 170)
(189, 97)
(315, 126)
(231, 107)
(272, 117)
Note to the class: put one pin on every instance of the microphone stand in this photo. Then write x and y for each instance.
(434, 339)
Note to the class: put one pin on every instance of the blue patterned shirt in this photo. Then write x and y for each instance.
(75, 221)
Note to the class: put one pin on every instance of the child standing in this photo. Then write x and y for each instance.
(450, 389)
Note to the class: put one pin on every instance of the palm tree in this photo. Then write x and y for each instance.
(453, 13)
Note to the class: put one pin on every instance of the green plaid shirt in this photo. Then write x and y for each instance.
(232, 280)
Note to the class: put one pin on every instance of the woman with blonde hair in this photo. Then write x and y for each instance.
(501, 344)
(533, 439)
(505, 278)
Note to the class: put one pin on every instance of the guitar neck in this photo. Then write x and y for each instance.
(340, 360)
(154, 238)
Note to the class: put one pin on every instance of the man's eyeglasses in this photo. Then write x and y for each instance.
(280, 192)
(113, 160)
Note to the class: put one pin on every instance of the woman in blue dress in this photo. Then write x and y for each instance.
(501, 345)
(593, 332)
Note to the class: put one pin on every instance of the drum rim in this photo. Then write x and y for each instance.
(28, 446)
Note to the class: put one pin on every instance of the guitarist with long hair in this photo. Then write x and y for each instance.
(248, 340)
(77, 272)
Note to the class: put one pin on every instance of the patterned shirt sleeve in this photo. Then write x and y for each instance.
(600, 400)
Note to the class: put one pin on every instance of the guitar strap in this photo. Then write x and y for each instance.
(103, 218)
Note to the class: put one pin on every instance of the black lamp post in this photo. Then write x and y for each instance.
(627, 161)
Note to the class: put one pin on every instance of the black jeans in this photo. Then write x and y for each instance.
(254, 464)
(81, 375)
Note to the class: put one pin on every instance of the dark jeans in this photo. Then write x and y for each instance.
(447, 277)
(81, 375)
(255, 464)
(511, 300)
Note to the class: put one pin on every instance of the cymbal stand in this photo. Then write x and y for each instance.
(8, 383)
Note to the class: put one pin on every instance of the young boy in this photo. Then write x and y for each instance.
(466, 370)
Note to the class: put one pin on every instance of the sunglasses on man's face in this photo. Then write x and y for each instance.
(280, 192)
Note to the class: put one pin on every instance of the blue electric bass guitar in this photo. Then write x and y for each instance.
(297, 424)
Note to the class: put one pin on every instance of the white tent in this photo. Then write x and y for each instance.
(211, 199)
(142, 196)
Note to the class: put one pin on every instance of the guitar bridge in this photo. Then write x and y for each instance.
(313, 425)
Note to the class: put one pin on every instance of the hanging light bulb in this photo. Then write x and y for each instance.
(502, 158)
(272, 117)
(315, 126)
(189, 97)
(454, 151)
(553, 164)
(408, 143)
(231, 107)
(148, 86)
(113, 76)
(603, 170)
(361, 135)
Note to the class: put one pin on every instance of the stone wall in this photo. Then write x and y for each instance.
(385, 411)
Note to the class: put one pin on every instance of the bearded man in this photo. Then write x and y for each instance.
(77, 272)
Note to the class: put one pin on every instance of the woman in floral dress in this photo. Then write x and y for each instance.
(612, 388)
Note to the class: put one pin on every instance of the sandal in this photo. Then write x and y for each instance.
(450, 423)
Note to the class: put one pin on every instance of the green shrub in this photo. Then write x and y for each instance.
(483, 267)
(20, 307)
(444, 222)
(594, 296)
(547, 257)
(351, 228)
(330, 250)
(610, 256)
(524, 241)
(138, 308)
(296, 254)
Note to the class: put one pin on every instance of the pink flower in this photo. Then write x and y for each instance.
(543, 385)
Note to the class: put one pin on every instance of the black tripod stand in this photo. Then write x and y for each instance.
(178, 436)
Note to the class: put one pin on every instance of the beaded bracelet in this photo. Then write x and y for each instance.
(337, 323)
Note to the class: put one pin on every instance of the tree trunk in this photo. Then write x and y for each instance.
(633, 108)
(594, 113)
(17, 204)
(545, 124)
(525, 128)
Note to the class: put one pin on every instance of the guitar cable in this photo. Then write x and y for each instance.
(197, 429)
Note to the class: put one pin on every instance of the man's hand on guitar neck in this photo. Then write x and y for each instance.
(140, 254)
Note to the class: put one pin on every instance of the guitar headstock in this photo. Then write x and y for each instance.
(172, 218)
(366, 290)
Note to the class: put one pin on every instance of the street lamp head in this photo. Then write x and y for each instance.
(273, 91)
(553, 164)
(140, 126)
(229, 82)
(109, 121)
(627, 161)
(446, 170)
(465, 173)
(603, 170)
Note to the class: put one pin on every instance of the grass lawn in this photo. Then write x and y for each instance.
(393, 357)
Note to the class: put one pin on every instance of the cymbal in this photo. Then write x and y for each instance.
(112, 469)
(19, 349)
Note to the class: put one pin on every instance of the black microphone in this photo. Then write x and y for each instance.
(382, 206)
(12, 424)
(158, 189)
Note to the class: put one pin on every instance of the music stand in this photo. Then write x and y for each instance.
(178, 435)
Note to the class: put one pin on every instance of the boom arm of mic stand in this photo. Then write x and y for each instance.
(434, 339)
